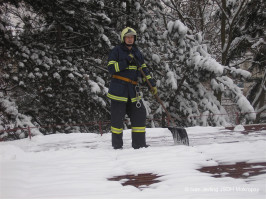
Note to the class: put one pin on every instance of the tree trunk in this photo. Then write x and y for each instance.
(223, 31)
(223, 34)
(259, 103)
(128, 11)
(58, 34)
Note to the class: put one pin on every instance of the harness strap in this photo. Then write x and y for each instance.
(125, 79)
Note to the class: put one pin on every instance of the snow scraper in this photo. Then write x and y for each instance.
(179, 134)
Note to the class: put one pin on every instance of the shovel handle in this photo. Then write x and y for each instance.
(156, 95)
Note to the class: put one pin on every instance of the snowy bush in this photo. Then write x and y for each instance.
(12, 119)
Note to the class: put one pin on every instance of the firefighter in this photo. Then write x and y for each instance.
(123, 64)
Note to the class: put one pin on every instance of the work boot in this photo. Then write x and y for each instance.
(138, 147)
(117, 140)
(139, 140)
(118, 148)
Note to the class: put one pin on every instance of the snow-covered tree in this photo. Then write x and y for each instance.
(15, 123)
(241, 32)
(55, 56)
(57, 60)
(189, 77)
(253, 42)
(11, 119)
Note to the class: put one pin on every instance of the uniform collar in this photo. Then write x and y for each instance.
(133, 49)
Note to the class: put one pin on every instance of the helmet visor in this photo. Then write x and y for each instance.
(128, 32)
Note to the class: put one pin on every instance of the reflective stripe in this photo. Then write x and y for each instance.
(116, 97)
(143, 65)
(135, 99)
(117, 67)
(148, 77)
(112, 62)
(138, 129)
(132, 67)
(116, 130)
(123, 98)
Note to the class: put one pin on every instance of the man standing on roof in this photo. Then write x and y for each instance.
(123, 64)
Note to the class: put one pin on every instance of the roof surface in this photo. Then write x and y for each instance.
(219, 163)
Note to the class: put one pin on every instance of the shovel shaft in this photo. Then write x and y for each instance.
(179, 134)
(157, 97)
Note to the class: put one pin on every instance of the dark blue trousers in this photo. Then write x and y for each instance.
(138, 123)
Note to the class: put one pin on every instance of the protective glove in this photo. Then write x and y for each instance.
(154, 90)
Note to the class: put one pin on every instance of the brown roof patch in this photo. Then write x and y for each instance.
(138, 181)
(237, 170)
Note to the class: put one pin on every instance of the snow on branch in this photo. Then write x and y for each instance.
(12, 118)
(241, 101)
(244, 73)
(197, 55)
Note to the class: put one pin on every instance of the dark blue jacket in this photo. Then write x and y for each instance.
(118, 64)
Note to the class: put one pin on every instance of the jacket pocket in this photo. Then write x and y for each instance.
(117, 89)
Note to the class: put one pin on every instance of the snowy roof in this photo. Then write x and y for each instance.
(82, 165)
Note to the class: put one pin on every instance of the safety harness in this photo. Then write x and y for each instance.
(125, 79)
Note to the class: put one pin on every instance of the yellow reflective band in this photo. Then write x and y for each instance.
(148, 77)
(111, 62)
(135, 99)
(132, 67)
(116, 97)
(143, 65)
(116, 130)
(117, 67)
(138, 129)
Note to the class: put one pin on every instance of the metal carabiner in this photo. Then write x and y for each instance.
(137, 88)
(138, 104)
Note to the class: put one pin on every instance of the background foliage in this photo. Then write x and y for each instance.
(54, 56)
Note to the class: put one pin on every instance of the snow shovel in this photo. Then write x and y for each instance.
(179, 134)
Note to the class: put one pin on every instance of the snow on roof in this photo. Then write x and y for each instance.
(79, 165)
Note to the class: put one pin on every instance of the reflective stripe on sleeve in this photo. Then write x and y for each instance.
(143, 65)
(117, 67)
(112, 62)
(148, 77)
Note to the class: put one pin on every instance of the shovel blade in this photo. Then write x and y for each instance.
(179, 135)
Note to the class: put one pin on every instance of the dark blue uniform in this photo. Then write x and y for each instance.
(118, 64)
(124, 97)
